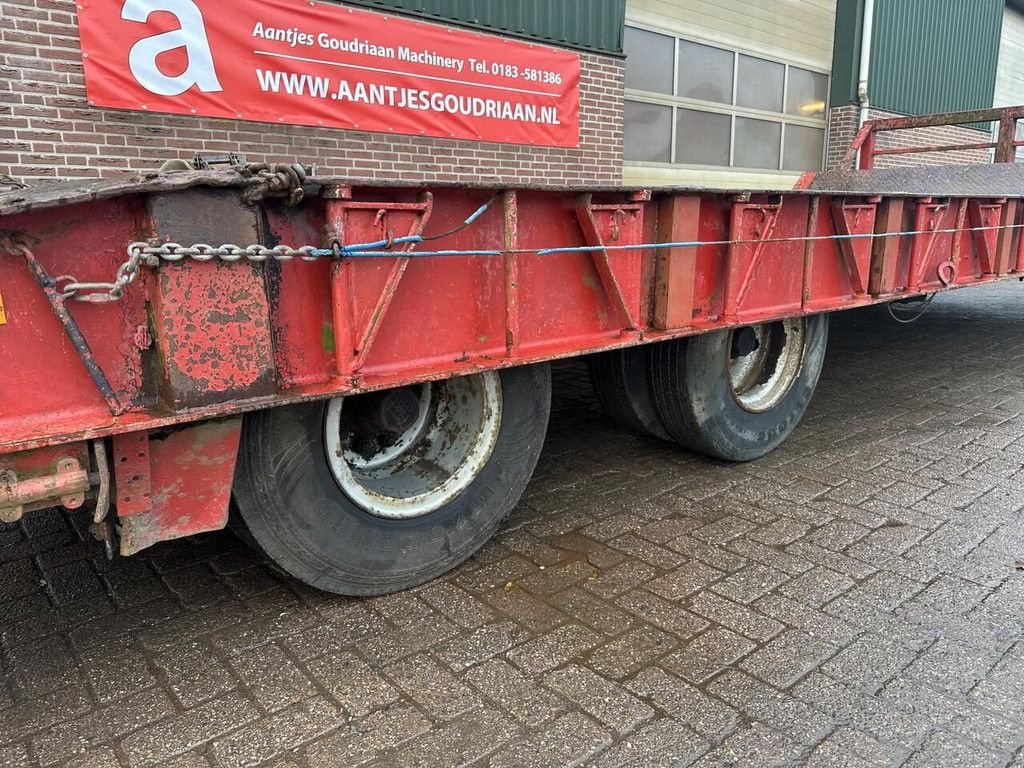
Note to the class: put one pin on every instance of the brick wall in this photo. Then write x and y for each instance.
(48, 131)
(843, 127)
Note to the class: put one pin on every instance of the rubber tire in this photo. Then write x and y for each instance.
(621, 380)
(693, 399)
(293, 509)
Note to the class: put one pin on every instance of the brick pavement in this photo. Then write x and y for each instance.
(854, 599)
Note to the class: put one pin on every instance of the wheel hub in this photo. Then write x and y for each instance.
(764, 362)
(407, 452)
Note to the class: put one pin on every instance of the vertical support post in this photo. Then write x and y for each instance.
(676, 268)
(867, 151)
(341, 283)
(1006, 151)
(1004, 243)
(812, 218)
(510, 210)
(885, 251)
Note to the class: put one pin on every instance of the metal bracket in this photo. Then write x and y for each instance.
(927, 218)
(133, 474)
(67, 485)
(203, 162)
(855, 219)
(618, 223)
(992, 245)
(353, 339)
(750, 225)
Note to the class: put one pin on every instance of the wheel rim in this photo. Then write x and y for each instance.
(764, 362)
(407, 452)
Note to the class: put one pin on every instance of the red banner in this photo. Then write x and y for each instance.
(316, 63)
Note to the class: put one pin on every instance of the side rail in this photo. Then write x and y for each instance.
(865, 148)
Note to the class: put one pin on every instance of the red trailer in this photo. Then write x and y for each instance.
(360, 370)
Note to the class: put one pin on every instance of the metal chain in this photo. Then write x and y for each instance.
(144, 254)
(98, 293)
(202, 252)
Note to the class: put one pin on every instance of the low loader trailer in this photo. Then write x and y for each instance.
(358, 372)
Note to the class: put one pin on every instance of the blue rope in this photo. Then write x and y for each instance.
(373, 250)
(376, 247)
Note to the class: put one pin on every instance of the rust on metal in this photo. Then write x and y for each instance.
(676, 268)
(132, 474)
(192, 472)
(59, 306)
(67, 484)
(212, 319)
(854, 219)
(510, 242)
(748, 222)
(864, 143)
(885, 251)
(354, 336)
(603, 223)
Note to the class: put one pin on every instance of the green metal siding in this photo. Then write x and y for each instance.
(588, 24)
(934, 55)
(926, 55)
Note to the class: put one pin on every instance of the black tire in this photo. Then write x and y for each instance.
(696, 401)
(297, 514)
(622, 383)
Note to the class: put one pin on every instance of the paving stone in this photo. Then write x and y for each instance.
(736, 617)
(661, 613)
(353, 683)
(596, 613)
(605, 701)
(432, 687)
(359, 742)
(17, 755)
(515, 693)
(46, 710)
(752, 582)
(77, 736)
(273, 679)
(787, 657)
(481, 644)
(458, 742)
(567, 742)
(703, 714)
(632, 650)
(457, 605)
(553, 649)
(868, 662)
(103, 757)
(276, 734)
(943, 749)
(762, 703)
(183, 732)
(194, 673)
(754, 747)
(663, 743)
(708, 654)
(689, 578)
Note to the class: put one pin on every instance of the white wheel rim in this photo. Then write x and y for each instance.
(434, 458)
(760, 379)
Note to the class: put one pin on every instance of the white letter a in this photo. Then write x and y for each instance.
(191, 36)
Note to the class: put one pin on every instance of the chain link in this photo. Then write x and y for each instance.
(98, 292)
(144, 254)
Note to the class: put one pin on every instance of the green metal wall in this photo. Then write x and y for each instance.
(594, 25)
(927, 55)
